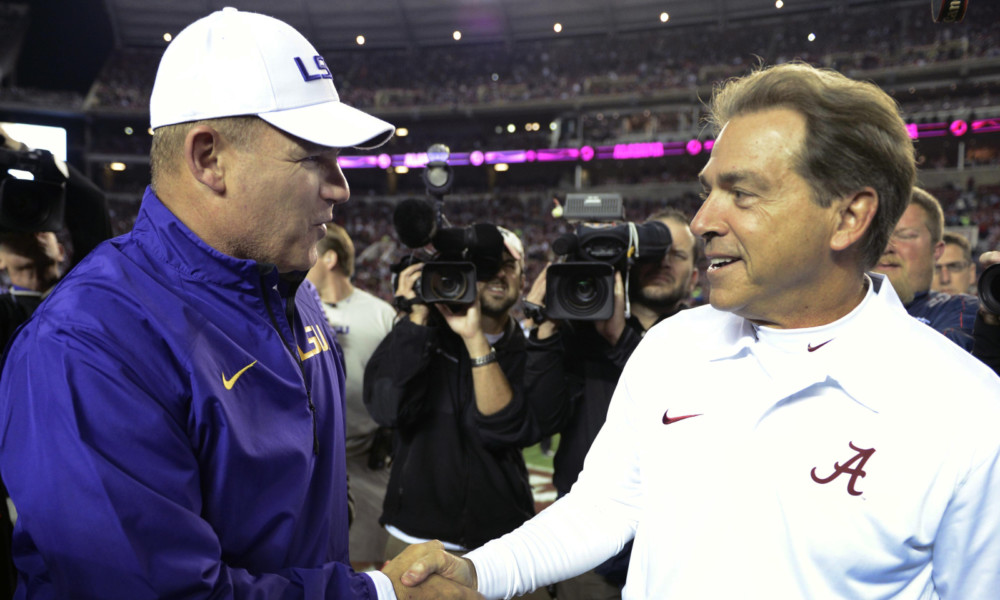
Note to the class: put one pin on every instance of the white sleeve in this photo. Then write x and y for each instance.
(579, 531)
(383, 586)
(967, 548)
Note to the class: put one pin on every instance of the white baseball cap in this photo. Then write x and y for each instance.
(513, 244)
(234, 63)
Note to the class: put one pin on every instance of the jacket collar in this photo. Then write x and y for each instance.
(851, 357)
(158, 231)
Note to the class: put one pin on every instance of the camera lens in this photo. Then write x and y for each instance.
(584, 295)
(583, 292)
(448, 284)
(989, 288)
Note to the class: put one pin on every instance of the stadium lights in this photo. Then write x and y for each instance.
(117, 166)
(631, 151)
(360, 40)
(167, 37)
(778, 4)
(664, 17)
(557, 28)
(456, 35)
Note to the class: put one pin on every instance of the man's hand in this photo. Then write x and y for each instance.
(611, 330)
(407, 279)
(465, 320)
(427, 571)
(536, 295)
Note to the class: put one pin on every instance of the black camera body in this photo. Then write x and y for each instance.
(462, 255)
(31, 205)
(989, 288)
(582, 286)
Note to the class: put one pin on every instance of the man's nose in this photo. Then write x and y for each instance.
(335, 187)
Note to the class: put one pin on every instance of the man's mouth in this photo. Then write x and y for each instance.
(720, 262)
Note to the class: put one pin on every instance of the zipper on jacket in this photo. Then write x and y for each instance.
(298, 361)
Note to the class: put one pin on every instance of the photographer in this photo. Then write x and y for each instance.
(448, 378)
(573, 366)
(34, 260)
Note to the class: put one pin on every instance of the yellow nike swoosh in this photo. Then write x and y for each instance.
(229, 383)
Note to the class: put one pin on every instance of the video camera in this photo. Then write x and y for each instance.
(462, 256)
(36, 204)
(582, 286)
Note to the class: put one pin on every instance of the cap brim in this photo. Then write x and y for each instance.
(333, 124)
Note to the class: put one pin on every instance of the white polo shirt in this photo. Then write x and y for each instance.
(856, 460)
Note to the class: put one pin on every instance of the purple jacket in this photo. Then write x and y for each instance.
(172, 426)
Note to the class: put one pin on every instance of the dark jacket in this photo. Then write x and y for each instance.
(15, 308)
(987, 344)
(577, 371)
(952, 314)
(457, 475)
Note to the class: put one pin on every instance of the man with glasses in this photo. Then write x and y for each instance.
(574, 366)
(448, 379)
(916, 243)
(955, 271)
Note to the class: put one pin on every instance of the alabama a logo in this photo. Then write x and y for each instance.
(854, 467)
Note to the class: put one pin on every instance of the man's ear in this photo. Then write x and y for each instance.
(202, 146)
(854, 216)
(330, 260)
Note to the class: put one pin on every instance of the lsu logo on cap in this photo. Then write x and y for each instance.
(323, 70)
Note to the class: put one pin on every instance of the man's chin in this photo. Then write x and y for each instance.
(659, 300)
(496, 308)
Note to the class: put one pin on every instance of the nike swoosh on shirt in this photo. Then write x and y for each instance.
(668, 420)
(229, 383)
(812, 348)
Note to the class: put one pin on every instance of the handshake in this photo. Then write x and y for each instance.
(428, 571)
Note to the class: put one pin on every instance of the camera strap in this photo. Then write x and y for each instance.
(634, 252)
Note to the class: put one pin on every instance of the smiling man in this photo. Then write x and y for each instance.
(774, 444)
(173, 414)
(574, 366)
(448, 379)
(908, 261)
